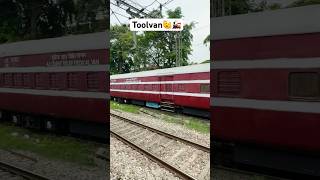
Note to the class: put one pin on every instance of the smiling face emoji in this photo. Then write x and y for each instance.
(167, 24)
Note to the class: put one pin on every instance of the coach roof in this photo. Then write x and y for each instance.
(297, 20)
(52, 45)
(168, 71)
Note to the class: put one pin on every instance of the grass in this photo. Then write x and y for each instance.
(49, 146)
(125, 107)
(189, 122)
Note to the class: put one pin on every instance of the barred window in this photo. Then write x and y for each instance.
(7, 78)
(26, 80)
(17, 80)
(304, 85)
(73, 79)
(204, 88)
(93, 81)
(155, 87)
(168, 87)
(40, 82)
(181, 87)
(54, 80)
(229, 83)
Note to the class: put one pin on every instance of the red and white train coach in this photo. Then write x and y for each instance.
(184, 89)
(57, 83)
(266, 88)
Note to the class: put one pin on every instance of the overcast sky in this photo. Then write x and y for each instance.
(197, 11)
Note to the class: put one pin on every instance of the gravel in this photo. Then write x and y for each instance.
(176, 153)
(56, 170)
(175, 129)
(126, 163)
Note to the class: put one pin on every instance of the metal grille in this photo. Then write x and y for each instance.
(73, 79)
(17, 80)
(7, 79)
(304, 85)
(54, 80)
(229, 83)
(26, 80)
(40, 81)
(93, 81)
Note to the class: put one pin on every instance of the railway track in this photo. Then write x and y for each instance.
(186, 159)
(11, 172)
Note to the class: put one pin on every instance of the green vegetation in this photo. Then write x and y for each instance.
(124, 107)
(36, 19)
(48, 146)
(150, 49)
(197, 124)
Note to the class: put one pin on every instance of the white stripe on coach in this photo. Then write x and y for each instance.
(82, 42)
(75, 94)
(267, 63)
(278, 22)
(165, 82)
(290, 106)
(196, 68)
(91, 68)
(160, 92)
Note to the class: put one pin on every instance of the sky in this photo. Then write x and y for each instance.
(197, 11)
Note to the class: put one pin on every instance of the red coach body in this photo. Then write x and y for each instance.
(265, 79)
(182, 87)
(58, 77)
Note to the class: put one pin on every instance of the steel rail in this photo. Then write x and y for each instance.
(21, 172)
(154, 158)
(193, 144)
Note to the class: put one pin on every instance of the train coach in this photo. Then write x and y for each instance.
(265, 89)
(58, 84)
(184, 89)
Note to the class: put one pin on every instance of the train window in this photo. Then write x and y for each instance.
(181, 87)
(168, 87)
(54, 80)
(155, 87)
(204, 88)
(229, 83)
(40, 81)
(135, 86)
(7, 79)
(93, 81)
(17, 80)
(148, 87)
(26, 80)
(73, 79)
(304, 85)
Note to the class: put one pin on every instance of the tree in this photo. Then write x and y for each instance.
(121, 50)
(158, 49)
(206, 41)
(153, 50)
(10, 21)
(36, 19)
(304, 3)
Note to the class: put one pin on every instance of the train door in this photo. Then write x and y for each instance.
(166, 88)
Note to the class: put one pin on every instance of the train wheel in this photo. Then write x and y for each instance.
(16, 120)
(49, 125)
